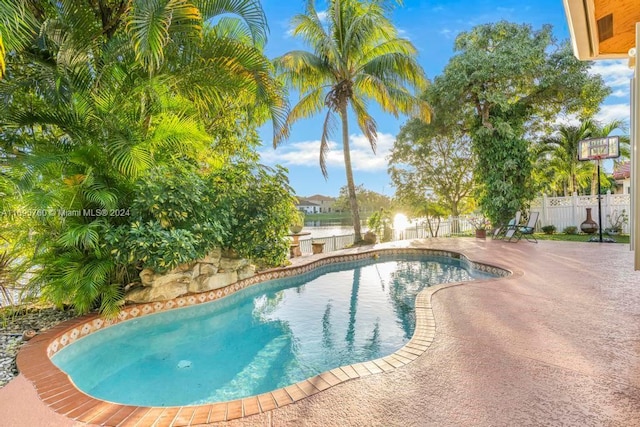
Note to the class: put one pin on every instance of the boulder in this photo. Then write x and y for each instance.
(216, 281)
(212, 257)
(246, 271)
(146, 276)
(156, 293)
(207, 270)
(232, 264)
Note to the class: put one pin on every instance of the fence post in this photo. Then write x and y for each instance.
(574, 202)
(545, 215)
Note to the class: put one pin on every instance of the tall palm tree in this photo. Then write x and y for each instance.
(601, 130)
(561, 153)
(357, 57)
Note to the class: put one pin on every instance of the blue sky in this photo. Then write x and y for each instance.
(432, 27)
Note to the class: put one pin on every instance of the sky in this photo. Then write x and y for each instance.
(432, 27)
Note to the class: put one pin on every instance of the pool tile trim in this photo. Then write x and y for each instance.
(57, 390)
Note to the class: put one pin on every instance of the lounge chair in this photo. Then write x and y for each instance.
(500, 232)
(526, 231)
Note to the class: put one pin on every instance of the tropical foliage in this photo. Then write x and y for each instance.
(433, 162)
(357, 56)
(368, 200)
(557, 157)
(507, 81)
(106, 98)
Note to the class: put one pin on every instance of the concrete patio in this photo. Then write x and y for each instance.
(557, 343)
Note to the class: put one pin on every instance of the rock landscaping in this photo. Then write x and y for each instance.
(14, 323)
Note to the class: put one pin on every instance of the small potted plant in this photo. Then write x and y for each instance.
(616, 222)
(480, 223)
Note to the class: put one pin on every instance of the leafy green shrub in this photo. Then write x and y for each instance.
(549, 229)
(380, 223)
(179, 215)
(572, 229)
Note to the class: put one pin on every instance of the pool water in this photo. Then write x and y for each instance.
(262, 338)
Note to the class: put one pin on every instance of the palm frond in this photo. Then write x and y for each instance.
(329, 126)
(18, 27)
(152, 22)
(366, 123)
(250, 11)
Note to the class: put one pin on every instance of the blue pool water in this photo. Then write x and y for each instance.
(265, 337)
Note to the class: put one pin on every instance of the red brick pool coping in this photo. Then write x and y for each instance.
(56, 389)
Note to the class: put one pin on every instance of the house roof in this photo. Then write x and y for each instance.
(306, 202)
(622, 170)
(321, 198)
(602, 29)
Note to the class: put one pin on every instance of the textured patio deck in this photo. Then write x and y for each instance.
(557, 343)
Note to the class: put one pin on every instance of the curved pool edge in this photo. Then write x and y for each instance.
(56, 389)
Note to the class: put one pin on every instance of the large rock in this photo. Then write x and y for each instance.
(147, 276)
(212, 257)
(246, 272)
(156, 293)
(162, 280)
(207, 270)
(217, 270)
(232, 264)
(216, 281)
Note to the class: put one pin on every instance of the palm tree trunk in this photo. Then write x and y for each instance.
(355, 215)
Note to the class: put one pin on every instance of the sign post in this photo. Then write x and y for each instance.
(597, 149)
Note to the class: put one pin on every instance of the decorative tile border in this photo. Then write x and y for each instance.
(57, 390)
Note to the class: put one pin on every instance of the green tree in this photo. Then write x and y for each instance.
(356, 57)
(368, 201)
(98, 94)
(506, 81)
(558, 157)
(606, 129)
(430, 161)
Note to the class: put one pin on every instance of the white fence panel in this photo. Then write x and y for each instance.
(572, 211)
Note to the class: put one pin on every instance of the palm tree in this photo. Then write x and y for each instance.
(357, 56)
(561, 154)
(601, 130)
(98, 92)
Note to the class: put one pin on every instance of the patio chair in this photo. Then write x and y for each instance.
(526, 231)
(500, 232)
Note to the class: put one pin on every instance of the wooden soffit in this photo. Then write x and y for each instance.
(602, 29)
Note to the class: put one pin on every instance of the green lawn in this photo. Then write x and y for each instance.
(570, 237)
(327, 216)
(580, 237)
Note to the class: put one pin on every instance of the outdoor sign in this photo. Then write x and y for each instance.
(607, 147)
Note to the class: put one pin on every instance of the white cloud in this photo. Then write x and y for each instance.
(403, 34)
(306, 153)
(614, 112)
(616, 73)
(620, 93)
(322, 15)
(446, 32)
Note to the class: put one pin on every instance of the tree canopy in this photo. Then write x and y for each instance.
(508, 81)
(433, 162)
(102, 96)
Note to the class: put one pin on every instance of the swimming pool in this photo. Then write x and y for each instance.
(265, 337)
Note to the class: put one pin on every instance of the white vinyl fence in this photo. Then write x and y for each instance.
(572, 211)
